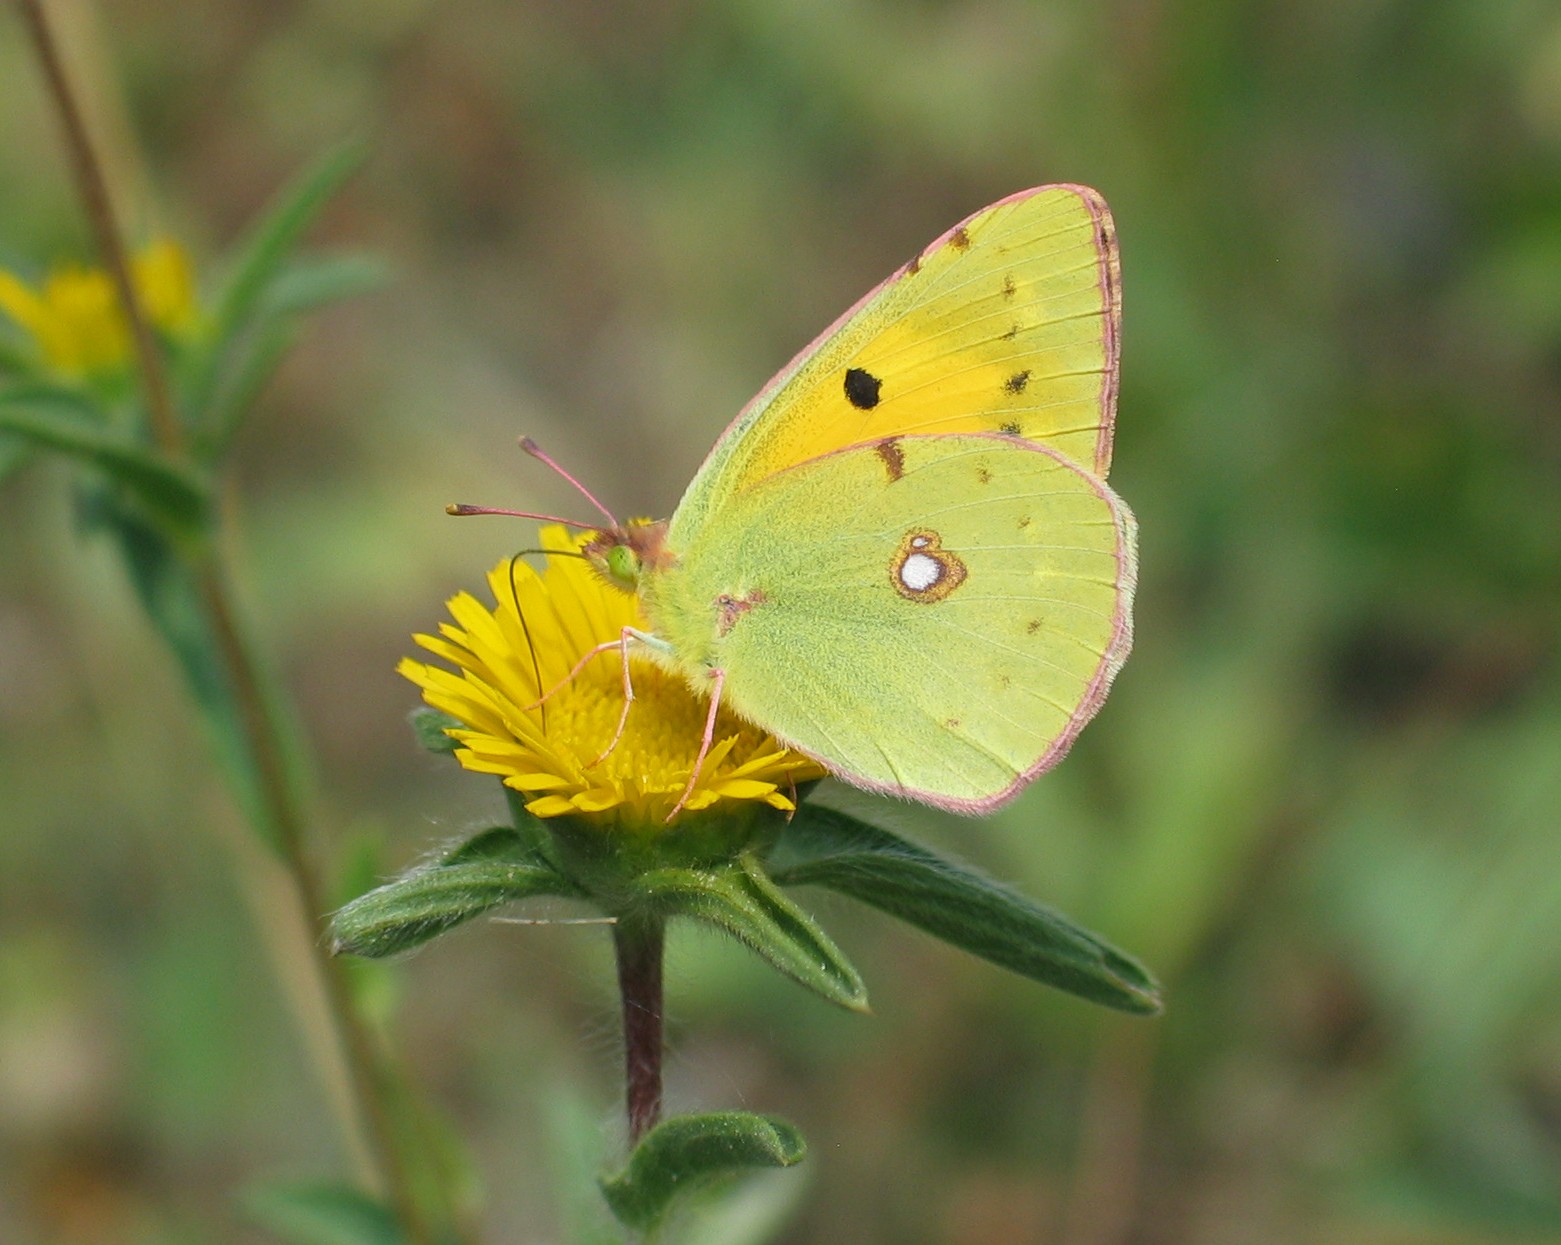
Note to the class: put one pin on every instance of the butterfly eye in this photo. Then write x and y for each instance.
(623, 566)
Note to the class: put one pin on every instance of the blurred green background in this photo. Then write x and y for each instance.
(1324, 802)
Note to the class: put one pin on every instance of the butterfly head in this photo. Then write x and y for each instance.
(622, 554)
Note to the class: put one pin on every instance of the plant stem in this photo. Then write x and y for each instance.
(373, 1122)
(640, 943)
(88, 170)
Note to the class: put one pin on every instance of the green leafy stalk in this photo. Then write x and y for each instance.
(250, 710)
(48, 417)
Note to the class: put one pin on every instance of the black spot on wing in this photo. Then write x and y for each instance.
(1010, 427)
(1015, 384)
(960, 239)
(1009, 288)
(862, 388)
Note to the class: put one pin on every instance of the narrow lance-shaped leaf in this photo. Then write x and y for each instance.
(49, 418)
(259, 262)
(741, 900)
(171, 595)
(261, 256)
(15, 359)
(492, 869)
(687, 1153)
(823, 847)
(324, 1214)
(15, 453)
(315, 281)
(255, 352)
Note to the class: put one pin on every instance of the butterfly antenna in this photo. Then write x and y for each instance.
(536, 665)
(461, 509)
(538, 453)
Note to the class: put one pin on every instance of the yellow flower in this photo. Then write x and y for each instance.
(75, 317)
(526, 645)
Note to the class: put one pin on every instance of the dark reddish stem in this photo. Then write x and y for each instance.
(640, 943)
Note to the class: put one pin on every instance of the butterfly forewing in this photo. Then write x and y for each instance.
(1008, 323)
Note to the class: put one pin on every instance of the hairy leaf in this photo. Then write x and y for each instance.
(687, 1153)
(953, 902)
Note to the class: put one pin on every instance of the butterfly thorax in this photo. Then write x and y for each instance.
(623, 555)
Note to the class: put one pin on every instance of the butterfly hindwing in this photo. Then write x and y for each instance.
(935, 616)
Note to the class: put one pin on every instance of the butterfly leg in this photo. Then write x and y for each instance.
(718, 679)
(627, 634)
(606, 646)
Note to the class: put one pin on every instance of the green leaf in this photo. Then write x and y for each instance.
(53, 418)
(324, 1214)
(741, 900)
(953, 902)
(429, 727)
(494, 868)
(15, 453)
(170, 593)
(261, 256)
(305, 284)
(687, 1153)
(252, 280)
(252, 360)
(16, 359)
(256, 349)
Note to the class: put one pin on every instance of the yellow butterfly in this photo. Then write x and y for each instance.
(902, 557)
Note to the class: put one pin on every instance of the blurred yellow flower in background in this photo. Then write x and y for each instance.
(509, 655)
(75, 319)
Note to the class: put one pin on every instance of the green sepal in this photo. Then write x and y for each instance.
(429, 727)
(740, 899)
(496, 867)
(951, 901)
(49, 417)
(323, 1214)
(689, 1152)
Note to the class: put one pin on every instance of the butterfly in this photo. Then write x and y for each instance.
(902, 557)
